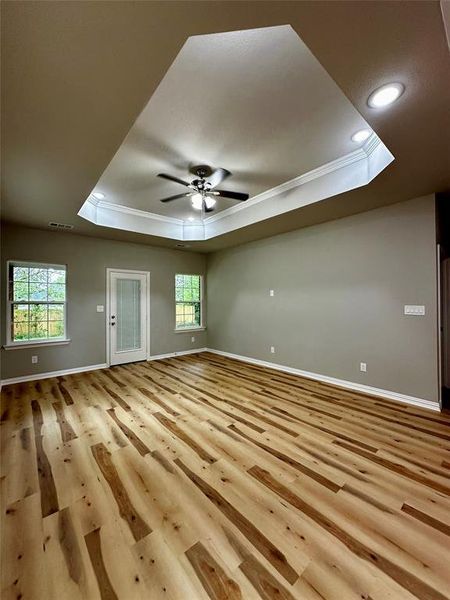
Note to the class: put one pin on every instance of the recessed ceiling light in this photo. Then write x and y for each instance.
(99, 195)
(191, 219)
(385, 95)
(361, 135)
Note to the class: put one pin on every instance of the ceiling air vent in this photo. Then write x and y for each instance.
(59, 226)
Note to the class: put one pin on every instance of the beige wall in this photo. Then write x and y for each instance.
(87, 259)
(340, 288)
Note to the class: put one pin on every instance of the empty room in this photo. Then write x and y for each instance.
(225, 300)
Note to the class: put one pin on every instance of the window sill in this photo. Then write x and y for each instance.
(19, 345)
(189, 329)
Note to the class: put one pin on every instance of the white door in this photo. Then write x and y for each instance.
(128, 319)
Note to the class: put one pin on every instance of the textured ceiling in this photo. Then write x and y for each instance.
(76, 75)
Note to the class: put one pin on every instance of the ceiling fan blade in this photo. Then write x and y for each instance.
(175, 179)
(233, 195)
(170, 198)
(217, 177)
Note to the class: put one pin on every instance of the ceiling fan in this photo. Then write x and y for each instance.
(203, 192)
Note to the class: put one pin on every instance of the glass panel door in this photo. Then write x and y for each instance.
(128, 319)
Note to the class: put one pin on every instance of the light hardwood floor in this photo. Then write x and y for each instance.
(202, 477)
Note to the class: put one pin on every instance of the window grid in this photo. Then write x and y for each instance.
(188, 301)
(37, 298)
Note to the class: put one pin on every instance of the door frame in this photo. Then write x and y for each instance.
(110, 270)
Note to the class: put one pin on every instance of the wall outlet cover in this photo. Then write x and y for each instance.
(272, 349)
(100, 308)
(417, 310)
(34, 360)
(192, 339)
(271, 292)
(363, 367)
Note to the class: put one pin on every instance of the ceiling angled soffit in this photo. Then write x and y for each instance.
(255, 102)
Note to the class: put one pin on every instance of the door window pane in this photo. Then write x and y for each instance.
(128, 318)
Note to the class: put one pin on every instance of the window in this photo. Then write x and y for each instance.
(188, 301)
(36, 302)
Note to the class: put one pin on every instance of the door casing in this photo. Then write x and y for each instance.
(110, 270)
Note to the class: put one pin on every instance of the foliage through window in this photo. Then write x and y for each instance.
(188, 300)
(37, 302)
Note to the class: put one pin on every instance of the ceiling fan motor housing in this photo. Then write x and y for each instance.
(201, 171)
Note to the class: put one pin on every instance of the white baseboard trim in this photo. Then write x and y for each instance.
(357, 387)
(180, 353)
(51, 374)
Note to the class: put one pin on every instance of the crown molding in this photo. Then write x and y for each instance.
(138, 213)
(343, 161)
(347, 172)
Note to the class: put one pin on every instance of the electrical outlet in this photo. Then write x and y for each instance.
(363, 367)
(272, 349)
(271, 292)
(192, 339)
(34, 359)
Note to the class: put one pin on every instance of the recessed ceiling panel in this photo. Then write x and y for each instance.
(255, 102)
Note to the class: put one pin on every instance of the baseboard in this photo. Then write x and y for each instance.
(180, 353)
(50, 374)
(349, 385)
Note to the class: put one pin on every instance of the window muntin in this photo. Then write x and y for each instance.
(188, 301)
(36, 302)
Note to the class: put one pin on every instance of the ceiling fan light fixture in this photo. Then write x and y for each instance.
(197, 201)
(210, 202)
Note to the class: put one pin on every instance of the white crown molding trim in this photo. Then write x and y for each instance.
(350, 385)
(348, 172)
(137, 212)
(348, 159)
(51, 374)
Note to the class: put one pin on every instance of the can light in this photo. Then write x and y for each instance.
(361, 136)
(385, 95)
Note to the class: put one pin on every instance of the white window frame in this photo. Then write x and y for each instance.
(10, 343)
(202, 325)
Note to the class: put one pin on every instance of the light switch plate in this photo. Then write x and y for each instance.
(100, 308)
(416, 310)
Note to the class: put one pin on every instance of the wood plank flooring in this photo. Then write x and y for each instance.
(200, 477)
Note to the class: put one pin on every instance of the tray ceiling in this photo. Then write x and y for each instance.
(256, 102)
